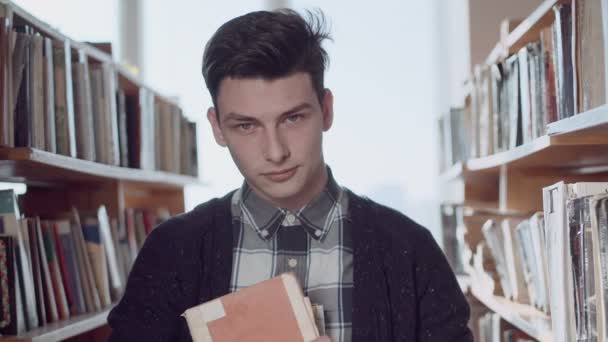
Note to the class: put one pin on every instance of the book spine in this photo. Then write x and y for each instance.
(49, 97)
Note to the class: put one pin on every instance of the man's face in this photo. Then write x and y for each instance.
(274, 130)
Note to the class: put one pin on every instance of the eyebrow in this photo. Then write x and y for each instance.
(244, 117)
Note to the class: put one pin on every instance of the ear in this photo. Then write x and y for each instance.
(328, 109)
(215, 125)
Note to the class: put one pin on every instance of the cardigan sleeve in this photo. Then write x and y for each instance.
(148, 310)
(443, 312)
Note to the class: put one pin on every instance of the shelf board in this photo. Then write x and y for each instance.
(595, 119)
(61, 330)
(575, 143)
(35, 166)
(496, 54)
(525, 317)
(546, 152)
(453, 172)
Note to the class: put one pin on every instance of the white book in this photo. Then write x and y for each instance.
(514, 262)
(108, 242)
(600, 262)
(109, 84)
(558, 253)
(493, 235)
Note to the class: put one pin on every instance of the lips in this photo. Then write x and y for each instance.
(280, 176)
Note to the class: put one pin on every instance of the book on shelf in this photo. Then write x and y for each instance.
(10, 216)
(63, 265)
(272, 310)
(561, 229)
(560, 71)
(57, 98)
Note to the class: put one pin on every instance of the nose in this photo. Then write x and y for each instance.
(275, 149)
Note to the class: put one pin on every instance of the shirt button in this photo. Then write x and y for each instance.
(292, 263)
(291, 219)
(318, 233)
(264, 232)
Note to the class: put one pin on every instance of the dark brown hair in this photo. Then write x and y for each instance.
(268, 45)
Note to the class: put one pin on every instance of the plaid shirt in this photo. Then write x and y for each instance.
(314, 243)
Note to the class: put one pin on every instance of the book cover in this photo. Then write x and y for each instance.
(564, 67)
(92, 297)
(83, 111)
(9, 213)
(54, 270)
(274, 310)
(100, 116)
(10, 323)
(50, 304)
(37, 272)
(62, 133)
(590, 59)
(97, 256)
(548, 53)
(49, 97)
(109, 97)
(64, 245)
(37, 92)
(22, 88)
(116, 285)
(123, 137)
(6, 115)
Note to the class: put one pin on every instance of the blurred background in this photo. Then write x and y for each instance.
(395, 66)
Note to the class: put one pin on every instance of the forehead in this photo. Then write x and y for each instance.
(259, 97)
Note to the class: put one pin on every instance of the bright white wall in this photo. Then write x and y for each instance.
(383, 74)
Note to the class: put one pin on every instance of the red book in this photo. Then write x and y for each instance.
(274, 310)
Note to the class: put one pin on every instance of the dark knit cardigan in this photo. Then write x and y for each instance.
(404, 289)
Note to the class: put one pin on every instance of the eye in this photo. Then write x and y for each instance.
(245, 126)
(294, 117)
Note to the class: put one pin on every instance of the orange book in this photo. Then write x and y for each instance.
(274, 310)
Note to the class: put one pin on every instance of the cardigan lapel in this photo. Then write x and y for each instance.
(217, 252)
(369, 295)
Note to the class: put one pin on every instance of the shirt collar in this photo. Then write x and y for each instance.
(315, 217)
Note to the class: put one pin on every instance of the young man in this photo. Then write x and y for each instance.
(379, 275)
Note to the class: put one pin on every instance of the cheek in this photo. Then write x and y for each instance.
(306, 142)
(244, 152)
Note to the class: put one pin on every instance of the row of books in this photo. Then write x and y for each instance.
(511, 102)
(555, 260)
(577, 236)
(56, 98)
(518, 249)
(53, 268)
(490, 330)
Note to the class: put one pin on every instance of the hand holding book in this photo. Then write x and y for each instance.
(274, 310)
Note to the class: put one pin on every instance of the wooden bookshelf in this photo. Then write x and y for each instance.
(525, 317)
(575, 143)
(62, 330)
(57, 183)
(29, 165)
(595, 120)
(574, 149)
